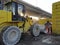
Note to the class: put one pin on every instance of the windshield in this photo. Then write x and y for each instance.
(20, 9)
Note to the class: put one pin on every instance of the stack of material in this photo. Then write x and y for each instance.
(56, 18)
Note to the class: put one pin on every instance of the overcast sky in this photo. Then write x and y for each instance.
(43, 4)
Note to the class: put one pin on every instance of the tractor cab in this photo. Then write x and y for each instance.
(18, 10)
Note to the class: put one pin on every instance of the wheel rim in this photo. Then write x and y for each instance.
(12, 35)
(36, 30)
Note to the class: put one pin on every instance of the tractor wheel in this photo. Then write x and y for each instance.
(35, 30)
(11, 35)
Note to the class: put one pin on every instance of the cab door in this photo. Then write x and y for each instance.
(18, 11)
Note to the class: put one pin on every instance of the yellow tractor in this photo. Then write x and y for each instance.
(12, 24)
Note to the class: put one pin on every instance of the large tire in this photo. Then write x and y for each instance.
(35, 30)
(11, 35)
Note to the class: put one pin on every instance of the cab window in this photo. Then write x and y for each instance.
(10, 7)
(20, 9)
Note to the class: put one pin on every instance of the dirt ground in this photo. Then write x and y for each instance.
(41, 40)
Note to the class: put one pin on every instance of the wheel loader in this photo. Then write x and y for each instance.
(12, 24)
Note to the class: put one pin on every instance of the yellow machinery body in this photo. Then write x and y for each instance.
(6, 20)
(12, 24)
(56, 17)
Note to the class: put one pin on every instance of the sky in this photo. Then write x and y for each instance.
(45, 5)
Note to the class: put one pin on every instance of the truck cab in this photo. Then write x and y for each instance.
(18, 10)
